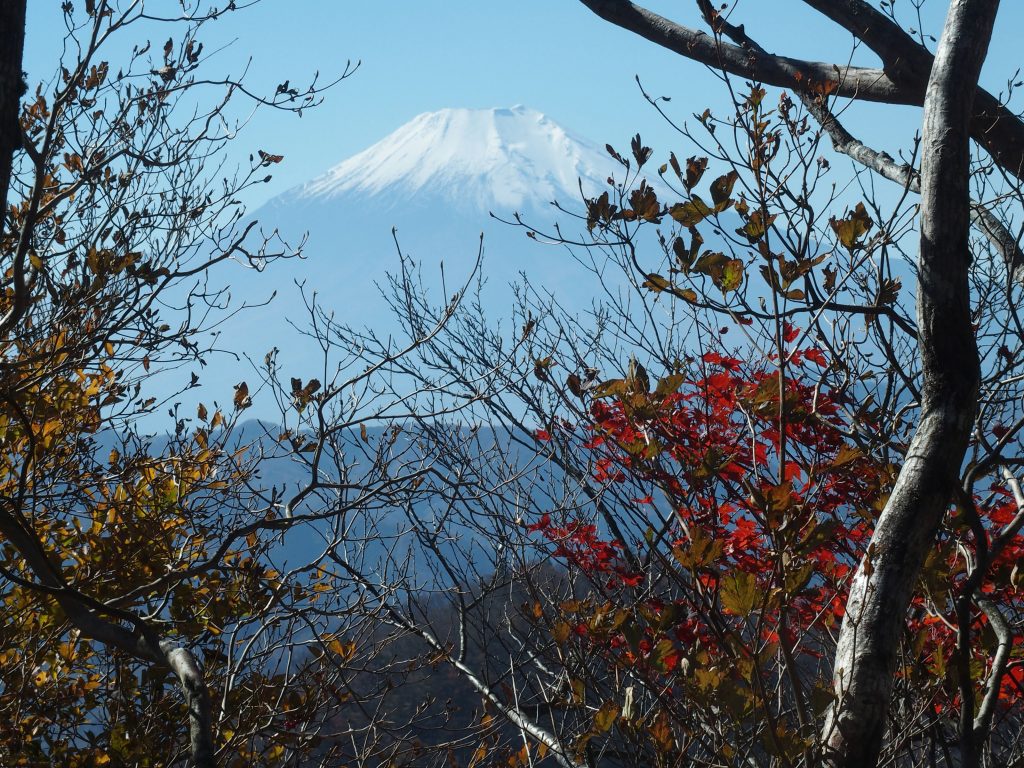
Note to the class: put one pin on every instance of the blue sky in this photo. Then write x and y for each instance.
(552, 55)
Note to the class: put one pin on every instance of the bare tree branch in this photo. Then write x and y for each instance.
(880, 162)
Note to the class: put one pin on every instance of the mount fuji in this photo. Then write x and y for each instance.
(477, 160)
(436, 180)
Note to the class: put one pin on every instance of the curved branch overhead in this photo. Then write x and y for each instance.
(902, 79)
(865, 83)
(902, 56)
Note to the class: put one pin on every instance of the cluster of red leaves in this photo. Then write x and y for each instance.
(759, 473)
(773, 510)
(579, 545)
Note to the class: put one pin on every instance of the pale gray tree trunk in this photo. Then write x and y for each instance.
(886, 577)
(197, 699)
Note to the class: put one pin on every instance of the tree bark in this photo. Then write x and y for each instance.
(197, 699)
(883, 585)
(12, 86)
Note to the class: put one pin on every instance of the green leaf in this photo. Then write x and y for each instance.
(724, 272)
(756, 226)
(797, 578)
(611, 388)
(703, 550)
(633, 634)
(710, 263)
(670, 384)
(731, 277)
(845, 455)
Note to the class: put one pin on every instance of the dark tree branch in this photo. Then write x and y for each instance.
(864, 83)
(901, 81)
(881, 162)
(12, 86)
(140, 641)
(903, 58)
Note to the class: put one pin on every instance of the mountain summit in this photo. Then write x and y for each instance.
(475, 159)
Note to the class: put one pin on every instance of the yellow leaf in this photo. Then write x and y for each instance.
(479, 755)
(853, 227)
(738, 592)
(560, 632)
(345, 650)
(846, 454)
(656, 283)
(606, 716)
(690, 214)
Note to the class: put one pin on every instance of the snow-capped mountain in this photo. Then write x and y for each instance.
(436, 179)
(477, 159)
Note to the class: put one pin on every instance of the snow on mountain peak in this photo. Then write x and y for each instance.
(489, 159)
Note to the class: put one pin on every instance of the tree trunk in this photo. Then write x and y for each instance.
(197, 699)
(12, 86)
(883, 585)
